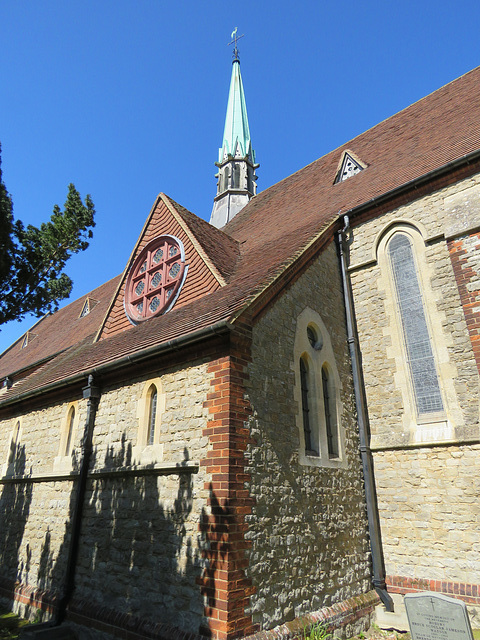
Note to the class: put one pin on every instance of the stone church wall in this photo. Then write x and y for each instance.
(35, 511)
(440, 538)
(140, 548)
(308, 529)
(425, 473)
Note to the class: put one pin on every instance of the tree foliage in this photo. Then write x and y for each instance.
(32, 260)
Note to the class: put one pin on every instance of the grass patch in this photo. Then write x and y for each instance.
(316, 632)
(10, 625)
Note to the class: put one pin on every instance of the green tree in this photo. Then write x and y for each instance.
(32, 259)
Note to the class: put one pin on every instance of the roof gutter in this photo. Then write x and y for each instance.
(220, 328)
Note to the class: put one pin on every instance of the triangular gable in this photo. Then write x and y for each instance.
(348, 166)
(203, 276)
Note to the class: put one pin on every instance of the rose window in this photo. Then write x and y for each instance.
(155, 279)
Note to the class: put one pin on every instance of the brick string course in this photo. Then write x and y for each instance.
(469, 593)
(224, 584)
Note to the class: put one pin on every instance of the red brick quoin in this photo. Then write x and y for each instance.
(224, 582)
(468, 287)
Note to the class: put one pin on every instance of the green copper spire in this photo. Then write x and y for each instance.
(236, 161)
(236, 136)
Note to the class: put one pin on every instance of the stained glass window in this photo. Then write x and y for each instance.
(152, 416)
(306, 384)
(155, 279)
(71, 418)
(307, 431)
(420, 357)
(174, 270)
(332, 435)
(312, 336)
(155, 303)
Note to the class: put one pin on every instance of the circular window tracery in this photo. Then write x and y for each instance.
(155, 279)
(314, 337)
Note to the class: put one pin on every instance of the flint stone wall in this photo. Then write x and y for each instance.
(308, 527)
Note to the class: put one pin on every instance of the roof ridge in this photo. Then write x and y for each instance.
(220, 242)
(198, 247)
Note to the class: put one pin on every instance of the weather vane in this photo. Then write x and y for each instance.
(235, 38)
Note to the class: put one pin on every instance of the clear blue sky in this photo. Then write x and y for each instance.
(127, 98)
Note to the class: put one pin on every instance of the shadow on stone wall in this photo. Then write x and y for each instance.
(15, 501)
(140, 553)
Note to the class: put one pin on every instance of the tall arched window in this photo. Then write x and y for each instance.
(306, 408)
(152, 414)
(65, 461)
(148, 448)
(421, 361)
(317, 394)
(329, 411)
(70, 422)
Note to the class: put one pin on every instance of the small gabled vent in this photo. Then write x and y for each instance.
(27, 339)
(349, 166)
(87, 307)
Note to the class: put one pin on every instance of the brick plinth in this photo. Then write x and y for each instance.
(355, 612)
(224, 582)
(465, 257)
(29, 597)
(469, 593)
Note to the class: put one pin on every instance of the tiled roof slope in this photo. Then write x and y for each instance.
(434, 131)
(222, 250)
(59, 331)
(277, 225)
(84, 356)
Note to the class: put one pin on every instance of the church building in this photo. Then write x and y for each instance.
(268, 421)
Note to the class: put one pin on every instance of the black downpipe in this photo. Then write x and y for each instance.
(92, 394)
(378, 564)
